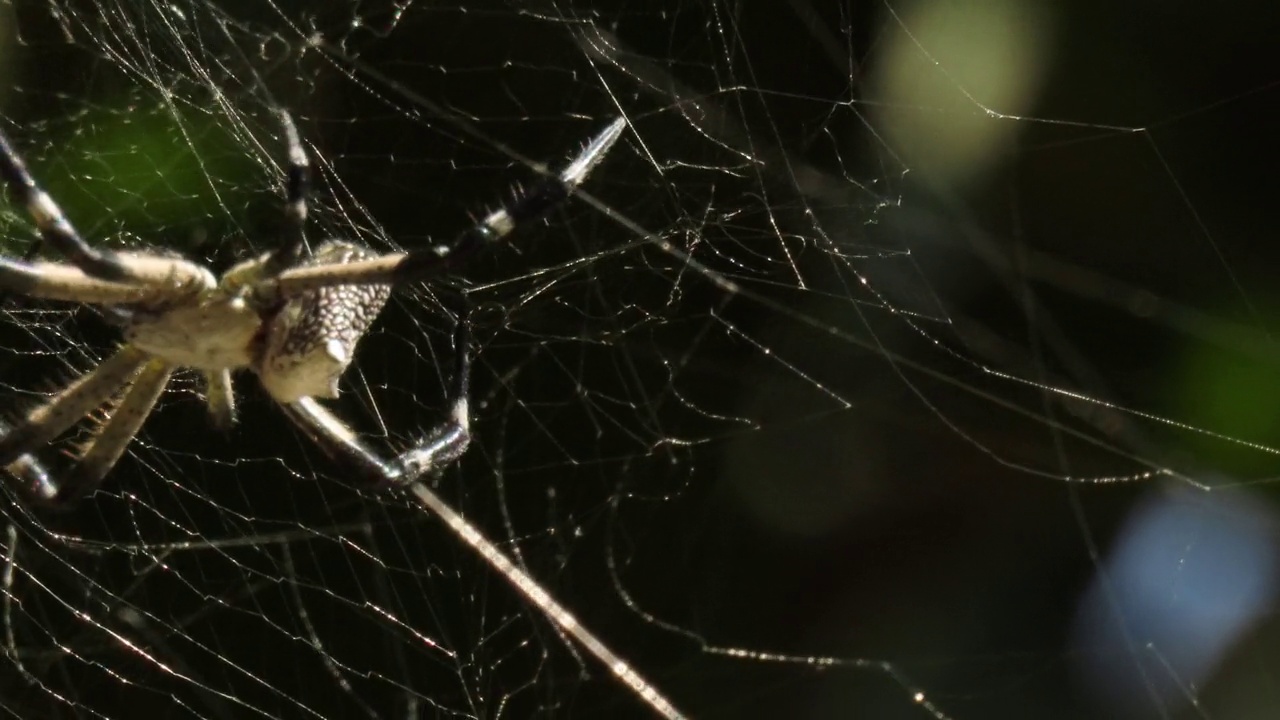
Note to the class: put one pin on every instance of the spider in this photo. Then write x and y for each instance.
(291, 317)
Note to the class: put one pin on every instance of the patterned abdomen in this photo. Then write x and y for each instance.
(312, 339)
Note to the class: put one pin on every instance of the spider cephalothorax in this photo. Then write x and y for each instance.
(292, 317)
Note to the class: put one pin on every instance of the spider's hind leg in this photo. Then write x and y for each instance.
(444, 444)
(439, 448)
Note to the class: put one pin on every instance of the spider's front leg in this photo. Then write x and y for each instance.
(525, 207)
(55, 229)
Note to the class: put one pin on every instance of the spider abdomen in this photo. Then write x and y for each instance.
(309, 343)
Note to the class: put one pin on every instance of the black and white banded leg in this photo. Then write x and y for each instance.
(55, 229)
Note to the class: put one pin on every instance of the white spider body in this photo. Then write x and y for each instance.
(216, 334)
(298, 348)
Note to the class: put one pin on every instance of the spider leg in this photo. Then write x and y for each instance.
(439, 448)
(221, 398)
(53, 225)
(297, 172)
(54, 281)
(397, 268)
(50, 419)
(61, 283)
(35, 483)
(153, 279)
(406, 470)
(111, 440)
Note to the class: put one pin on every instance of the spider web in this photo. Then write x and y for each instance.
(904, 359)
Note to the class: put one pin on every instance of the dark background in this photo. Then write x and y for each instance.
(867, 491)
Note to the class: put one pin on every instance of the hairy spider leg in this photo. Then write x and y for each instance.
(45, 422)
(112, 438)
(34, 481)
(220, 397)
(438, 448)
(53, 281)
(55, 229)
(297, 178)
(400, 268)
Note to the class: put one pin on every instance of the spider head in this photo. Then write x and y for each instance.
(308, 344)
